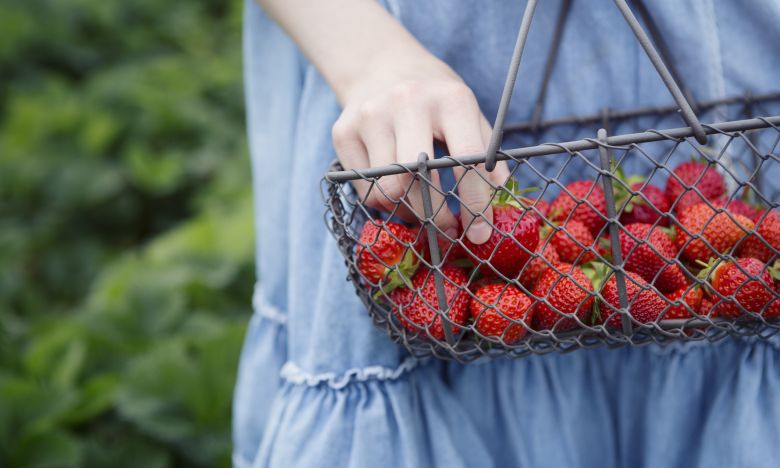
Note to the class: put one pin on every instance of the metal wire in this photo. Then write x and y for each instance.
(654, 153)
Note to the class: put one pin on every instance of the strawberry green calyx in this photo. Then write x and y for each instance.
(400, 274)
(511, 194)
(669, 231)
(597, 273)
(709, 274)
(774, 271)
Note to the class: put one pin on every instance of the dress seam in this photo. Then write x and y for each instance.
(294, 374)
(264, 308)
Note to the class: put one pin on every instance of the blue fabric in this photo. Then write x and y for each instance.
(320, 386)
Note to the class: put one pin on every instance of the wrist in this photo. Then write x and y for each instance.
(387, 66)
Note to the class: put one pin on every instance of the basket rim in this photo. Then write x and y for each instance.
(544, 149)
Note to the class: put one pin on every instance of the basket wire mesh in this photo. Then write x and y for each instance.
(583, 272)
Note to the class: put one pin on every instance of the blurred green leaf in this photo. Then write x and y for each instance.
(126, 226)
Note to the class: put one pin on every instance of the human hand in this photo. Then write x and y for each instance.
(394, 112)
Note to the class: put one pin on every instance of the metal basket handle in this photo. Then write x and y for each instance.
(688, 114)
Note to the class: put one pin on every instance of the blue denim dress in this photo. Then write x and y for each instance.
(319, 386)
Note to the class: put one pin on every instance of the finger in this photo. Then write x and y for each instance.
(500, 173)
(350, 151)
(414, 135)
(389, 191)
(462, 131)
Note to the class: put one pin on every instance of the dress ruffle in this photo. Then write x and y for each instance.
(409, 418)
(264, 353)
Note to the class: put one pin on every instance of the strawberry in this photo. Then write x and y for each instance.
(768, 228)
(686, 176)
(495, 306)
(564, 204)
(383, 246)
(542, 206)
(644, 304)
(745, 282)
(652, 257)
(514, 239)
(558, 294)
(538, 265)
(737, 206)
(707, 306)
(418, 307)
(716, 228)
(687, 295)
(565, 243)
(645, 207)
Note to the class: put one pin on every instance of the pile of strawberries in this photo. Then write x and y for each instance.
(689, 251)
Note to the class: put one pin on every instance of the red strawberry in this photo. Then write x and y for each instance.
(652, 257)
(706, 308)
(418, 307)
(716, 228)
(687, 295)
(383, 245)
(752, 293)
(738, 206)
(768, 227)
(680, 192)
(565, 243)
(514, 238)
(542, 206)
(593, 218)
(645, 208)
(564, 294)
(494, 305)
(644, 305)
(538, 265)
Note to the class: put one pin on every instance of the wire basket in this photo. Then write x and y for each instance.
(593, 255)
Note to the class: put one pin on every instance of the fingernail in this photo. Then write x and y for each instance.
(452, 233)
(479, 231)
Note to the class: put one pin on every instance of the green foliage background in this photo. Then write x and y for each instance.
(125, 231)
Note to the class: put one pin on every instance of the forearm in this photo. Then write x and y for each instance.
(344, 38)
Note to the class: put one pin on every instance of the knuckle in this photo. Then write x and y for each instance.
(342, 133)
(393, 187)
(371, 111)
(405, 91)
(460, 93)
(473, 196)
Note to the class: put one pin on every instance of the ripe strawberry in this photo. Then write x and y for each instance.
(680, 192)
(652, 257)
(716, 228)
(645, 208)
(565, 243)
(418, 306)
(687, 295)
(542, 206)
(752, 293)
(769, 229)
(644, 305)
(593, 218)
(538, 265)
(564, 294)
(494, 300)
(707, 306)
(383, 245)
(737, 206)
(514, 238)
